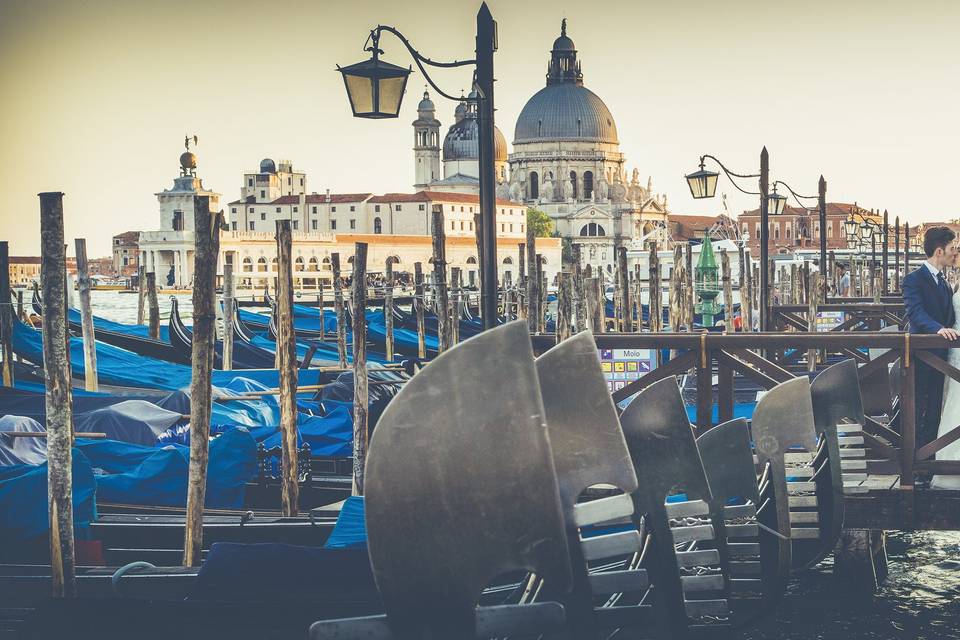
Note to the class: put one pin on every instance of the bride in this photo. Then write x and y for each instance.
(950, 415)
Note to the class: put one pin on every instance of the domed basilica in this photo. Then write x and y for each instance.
(566, 161)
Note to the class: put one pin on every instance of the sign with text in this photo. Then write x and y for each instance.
(622, 366)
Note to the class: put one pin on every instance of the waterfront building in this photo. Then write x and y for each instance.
(168, 252)
(798, 229)
(25, 270)
(126, 253)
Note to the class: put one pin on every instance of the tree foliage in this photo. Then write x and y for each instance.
(540, 222)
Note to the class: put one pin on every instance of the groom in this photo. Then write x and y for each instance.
(929, 302)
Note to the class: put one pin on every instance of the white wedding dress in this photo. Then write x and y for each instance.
(950, 415)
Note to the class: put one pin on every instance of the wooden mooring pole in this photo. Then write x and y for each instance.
(440, 278)
(229, 300)
(59, 396)
(533, 283)
(418, 308)
(86, 318)
(207, 248)
(339, 309)
(746, 293)
(456, 291)
(6, 315)
(626, 309)
(287, 348)
(727, 291)
(141, 293)
(388, 308)
(564, 304)
(153, 307)
(360, 382)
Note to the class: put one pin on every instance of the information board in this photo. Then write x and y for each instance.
(828, 320)
(622, 366)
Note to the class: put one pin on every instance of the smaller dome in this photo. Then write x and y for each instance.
(188, 160)
(460, 112)
(268, 166)
(426, 104)
(563, 43)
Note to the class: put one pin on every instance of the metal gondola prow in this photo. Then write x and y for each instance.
(457, 499)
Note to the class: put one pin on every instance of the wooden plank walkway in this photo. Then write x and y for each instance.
(878, 502)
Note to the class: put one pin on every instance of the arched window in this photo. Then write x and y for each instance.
(261, 264)
(326, 264)
(471, 260)
(534, 185)
(776, 232)
(587, 184)
(313, 264)
(247, 264)
(273, 265)
(543, 260)
(350, 260)
(573, 183)
(377, 225)
(592, 230)
(298, 264)
(394, 260)
(508, 260)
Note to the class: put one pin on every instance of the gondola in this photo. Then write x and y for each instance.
(139, 344)
(245, 355)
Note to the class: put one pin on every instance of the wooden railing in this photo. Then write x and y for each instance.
(890, 432)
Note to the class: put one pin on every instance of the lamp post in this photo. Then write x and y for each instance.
(375, 89)
(703, 184)
(821, 209)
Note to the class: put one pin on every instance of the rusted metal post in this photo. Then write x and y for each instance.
(440, 278)
(564, 304)
(153, 307)
(418, 304)
(287, 348)
(207, 248)
(86, 318)
(339, 309)
(360, 382)
(229, 300)
(59, 396)
(533, 283)
(6, 316)
(727, 291)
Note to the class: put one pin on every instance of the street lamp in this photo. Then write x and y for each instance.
(703, 184)
(776, 202)
(375, 89)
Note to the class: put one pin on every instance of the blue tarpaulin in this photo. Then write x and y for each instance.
(350, 532)
(133, 474)
(120, 367)
(23, 499)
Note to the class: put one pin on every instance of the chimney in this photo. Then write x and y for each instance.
(328, 196)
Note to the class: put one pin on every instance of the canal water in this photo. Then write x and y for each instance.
(920, 599)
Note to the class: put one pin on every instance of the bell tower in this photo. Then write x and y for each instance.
(426, 144)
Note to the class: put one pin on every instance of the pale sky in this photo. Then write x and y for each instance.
(98, 95)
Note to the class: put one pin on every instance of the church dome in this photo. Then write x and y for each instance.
(268, 166)
(426, 104)
(462, 140)
(565, 109)
(565, 112)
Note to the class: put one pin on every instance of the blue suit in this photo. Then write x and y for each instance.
(929, 305)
